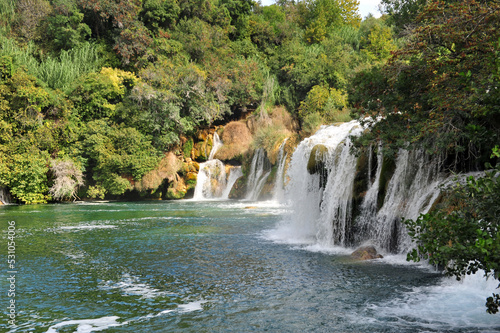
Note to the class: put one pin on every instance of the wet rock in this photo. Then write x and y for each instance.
(316, 159)
(366, 253)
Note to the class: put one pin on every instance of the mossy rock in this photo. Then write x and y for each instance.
(176, 189)
(188, 147)
(201, 151)
(190, 184)
(366, 253)
(191, 176)
(239, 189)
(173, 194)
(316, 159)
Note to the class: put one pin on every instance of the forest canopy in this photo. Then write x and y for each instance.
(106, 88)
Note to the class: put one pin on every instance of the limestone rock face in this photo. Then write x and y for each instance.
(366, 253)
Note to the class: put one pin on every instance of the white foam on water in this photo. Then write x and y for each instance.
(182, 308)
(192, 306)
(338, 250)
(89, 325)
(449, 305)
(130, 285)
(92, 203)
(88, 227)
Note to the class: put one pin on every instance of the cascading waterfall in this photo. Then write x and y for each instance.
(213, 181)
(314, 202)
(279, 187)
(412, 190)
(234, 174)
(320, 192)
(369, 204)
(216, 144)
(260, 169)
(4, 196)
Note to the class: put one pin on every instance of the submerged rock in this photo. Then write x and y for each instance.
(366, 253)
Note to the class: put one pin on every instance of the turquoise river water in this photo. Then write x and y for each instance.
(212, 266)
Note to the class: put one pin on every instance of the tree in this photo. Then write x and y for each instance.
(24, 172)
(324, 101)
(118, 20)
(29, 14)
(117, 156)
(158, 14)
(97, 94)
(64, 27)
(403, 13)
(379, 43)
(437, 90)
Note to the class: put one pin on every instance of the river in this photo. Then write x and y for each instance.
(214, 266)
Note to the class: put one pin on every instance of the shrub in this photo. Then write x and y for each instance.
(25, 175)
(68, 177)
(236, 138)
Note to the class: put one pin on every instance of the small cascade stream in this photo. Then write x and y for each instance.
(279, 187)
(215, 180)
(216, 144)
(260, 169)
(4, 196)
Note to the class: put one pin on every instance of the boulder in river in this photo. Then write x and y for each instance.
(366, 253)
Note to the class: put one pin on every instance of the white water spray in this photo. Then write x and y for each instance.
(213, 181)
(216, 144)
(4, 196)
(234, 174)
(322, 199)
(259, 171)
(279, 187)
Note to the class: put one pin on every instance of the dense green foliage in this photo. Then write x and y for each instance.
(99, 90)
(440, 90)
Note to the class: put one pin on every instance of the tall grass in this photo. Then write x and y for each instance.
(7, 15)
(60, 72)
(55, 72)
(350, 35)
(22, 56)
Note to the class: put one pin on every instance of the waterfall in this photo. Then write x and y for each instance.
(412, 190)
(279, 187)
(234, 174)
(4, 196)
(322, 176)
(213, 181)
(369, 204)
(318, 164)
(260, 169)
(216, 144)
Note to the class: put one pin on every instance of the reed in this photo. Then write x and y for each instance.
(54, 72)
(60, 72)
(8, 15)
